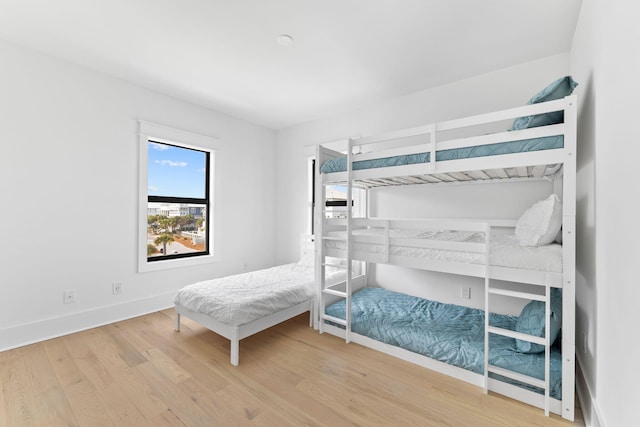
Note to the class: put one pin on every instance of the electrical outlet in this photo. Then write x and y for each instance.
(465, 292)
(69, 296)
(117, 288)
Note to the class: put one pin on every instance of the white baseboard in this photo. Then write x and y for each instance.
(588, 403)
(44, 329)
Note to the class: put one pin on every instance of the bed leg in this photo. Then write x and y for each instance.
(235, 347)
(177, 322)
(311, 315)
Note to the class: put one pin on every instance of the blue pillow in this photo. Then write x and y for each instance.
(532, 322)
(556, 90)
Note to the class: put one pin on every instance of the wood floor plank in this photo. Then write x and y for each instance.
(139, 393)
(88, 363)
(176, 400)
(121, 409)
(296, 396)
(87, 407)
(43, 377)
(79, 392)
(204, 372)
(164, 338)
(167, 366)
(355, 407)
(63, 364)
(125, 349)
(54, 409)
(3, 412)
(406, 393)
(247, 404)
(167, 419)
(18, 395)
(208, 400)
(128, 331)
(289, 375)
(52, 406)
(286, 397)
(291, 387)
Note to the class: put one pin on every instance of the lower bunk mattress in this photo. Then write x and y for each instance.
(445, 332)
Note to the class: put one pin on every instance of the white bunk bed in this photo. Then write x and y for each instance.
(456, 151)
(241, 305)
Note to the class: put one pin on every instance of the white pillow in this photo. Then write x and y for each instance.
(540, 224)
(307, 259)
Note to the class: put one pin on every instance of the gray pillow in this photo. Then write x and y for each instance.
(532, 322)
(556, 90)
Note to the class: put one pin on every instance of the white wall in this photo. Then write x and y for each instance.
(501, 89)
(69, 188)
(605, 52)
(582, 61)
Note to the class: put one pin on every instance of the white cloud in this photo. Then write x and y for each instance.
(152, 188)
(160, 147)
(171, 163)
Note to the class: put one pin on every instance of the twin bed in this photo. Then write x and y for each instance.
(241, 305)
(512, 355)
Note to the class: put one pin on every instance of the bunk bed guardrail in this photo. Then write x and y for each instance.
(438, 149)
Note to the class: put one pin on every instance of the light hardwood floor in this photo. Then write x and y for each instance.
(140, 372)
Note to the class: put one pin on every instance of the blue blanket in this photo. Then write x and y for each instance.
(339, 164)
(449, 333)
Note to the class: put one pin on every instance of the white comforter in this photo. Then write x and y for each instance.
(242, 298)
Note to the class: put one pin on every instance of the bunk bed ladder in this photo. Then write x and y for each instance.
(328, 290)
(325, 290)
(544, 341)
(349, 290)
(321, 260)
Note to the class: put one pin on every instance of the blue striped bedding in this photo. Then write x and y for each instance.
(339, 164)
(445, 332)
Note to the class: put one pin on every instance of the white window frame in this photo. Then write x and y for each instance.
(360, 198)
(155, 132)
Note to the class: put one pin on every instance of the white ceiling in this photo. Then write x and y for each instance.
(347, 53)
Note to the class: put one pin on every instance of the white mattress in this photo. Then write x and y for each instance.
(242, 298)
(505, 249)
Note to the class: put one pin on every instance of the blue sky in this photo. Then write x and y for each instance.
(175, 171)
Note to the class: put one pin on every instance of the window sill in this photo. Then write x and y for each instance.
(145, 266)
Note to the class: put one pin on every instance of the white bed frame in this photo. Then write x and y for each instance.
(558, 165)
(236, 333)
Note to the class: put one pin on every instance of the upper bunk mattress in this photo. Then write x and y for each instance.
(242, 298)
(445, 332)
(505, 249)
(339, 164)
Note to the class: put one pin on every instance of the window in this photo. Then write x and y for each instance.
(176, 204)
(335, 204)
(178, 201)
